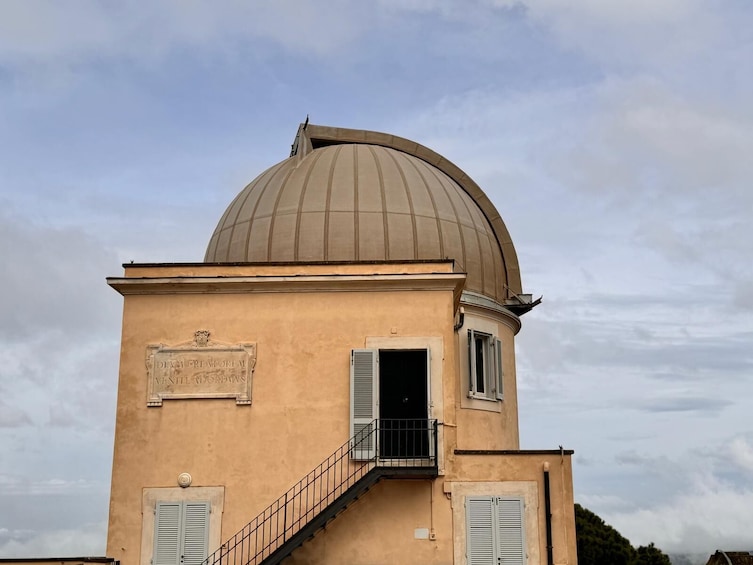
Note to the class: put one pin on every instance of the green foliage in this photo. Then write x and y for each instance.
(651, 555)
(600, 544)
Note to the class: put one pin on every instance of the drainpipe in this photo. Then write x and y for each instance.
(548, 511)
(460, 320)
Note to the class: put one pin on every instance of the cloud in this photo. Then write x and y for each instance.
(12, 416)
(641, 180)
(56, 282)
(734, 456)
(45, 32)
(633, 34)
(16, 484)
(687, 502)
(606, 336)
(71, 385)
(708, 516)
(61, 416)
(606, 502)
(86, 539)
(670, 402)
(743, 294)
(611, 136)
(662, 155)
(741, 452)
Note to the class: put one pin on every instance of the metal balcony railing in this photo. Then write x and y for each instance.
(384, 448)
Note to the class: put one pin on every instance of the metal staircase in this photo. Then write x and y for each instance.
(383, 449)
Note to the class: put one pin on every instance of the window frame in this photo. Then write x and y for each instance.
(215, 495)
(364, 394)
(491, 373)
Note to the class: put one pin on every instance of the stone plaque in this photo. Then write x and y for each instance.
(200, 369)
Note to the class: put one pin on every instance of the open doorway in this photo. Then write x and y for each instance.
(403, 403)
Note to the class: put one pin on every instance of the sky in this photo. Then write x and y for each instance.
(614, 138)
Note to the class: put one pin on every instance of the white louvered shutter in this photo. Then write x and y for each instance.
(363, 397)
(510, 531)
(471, 363)
(498, 368)
(195, 532)
(167, 533)
(429, 404)
(480, 530)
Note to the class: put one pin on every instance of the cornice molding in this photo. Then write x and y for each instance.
(128, 286)
(497, 310)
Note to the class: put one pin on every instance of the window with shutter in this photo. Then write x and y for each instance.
(498, 368)
(494, 531)
(363, 395)
(510, 542)
(480, 532)
(195, 532)
(181, 532)
(484, 365)
(167, 533)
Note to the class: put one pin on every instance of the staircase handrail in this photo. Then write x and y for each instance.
(274, 525)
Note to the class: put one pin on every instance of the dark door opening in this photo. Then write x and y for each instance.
(403, 404)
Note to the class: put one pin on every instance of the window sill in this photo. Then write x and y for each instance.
(486, 398)
(484, 403)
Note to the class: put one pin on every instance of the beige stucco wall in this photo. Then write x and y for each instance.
(381, 527)
(484, 424)
(300, 402)
(59, 561)
(300, 409)
(384, 525)
(489, 470)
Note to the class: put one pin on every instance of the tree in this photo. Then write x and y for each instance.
(651, 555)
(600, 544)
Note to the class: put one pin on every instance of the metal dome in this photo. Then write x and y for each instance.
(337, 200)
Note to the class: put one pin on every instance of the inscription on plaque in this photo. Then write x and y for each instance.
(200, 369)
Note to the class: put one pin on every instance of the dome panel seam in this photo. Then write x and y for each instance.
(410, 201)
(273, 215)
(252, 217)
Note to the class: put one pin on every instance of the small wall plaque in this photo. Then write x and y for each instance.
(200, 369)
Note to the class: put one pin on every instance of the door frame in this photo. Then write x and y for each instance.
(435, 378)
(428, 406)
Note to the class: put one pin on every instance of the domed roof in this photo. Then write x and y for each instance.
(336, 200)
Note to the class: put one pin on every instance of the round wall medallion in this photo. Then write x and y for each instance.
(184, 480)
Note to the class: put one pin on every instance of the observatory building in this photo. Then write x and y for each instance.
(335, 383)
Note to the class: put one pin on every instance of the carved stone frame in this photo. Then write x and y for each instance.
(200, 346)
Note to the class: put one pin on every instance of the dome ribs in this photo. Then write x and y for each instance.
(471, 249)
(328, 201)
(277, 217)
(214, 241)
(311, 209)
(401, 172)
(463, 263)
(319, 136)
(364, 196)
(378, 166)
(356, 231)
(248, 192)
(372, 240)
(436, 217)
(238, 203)
(252, 217)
